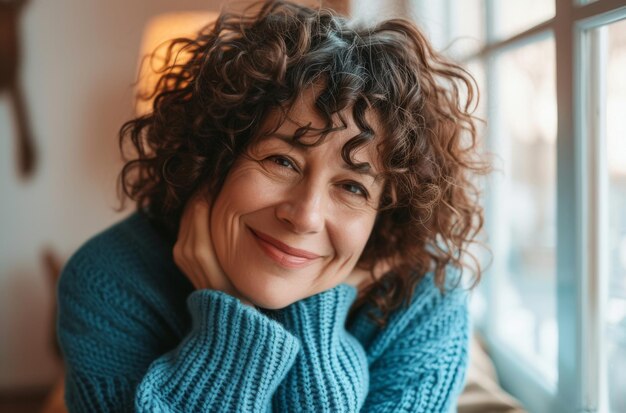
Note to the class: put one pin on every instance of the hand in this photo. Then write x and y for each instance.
(194, 253)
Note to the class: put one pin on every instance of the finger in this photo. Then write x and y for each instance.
(183, 247)
(198, 221)
(205, 250)
(187, 252)
(208, 263)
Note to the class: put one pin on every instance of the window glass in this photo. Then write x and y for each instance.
(615, 119)
(524, 232)
(513, 17)
(476, 68)
(467, 27)
(479, 303)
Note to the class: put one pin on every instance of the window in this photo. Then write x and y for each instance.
(553, 302)
(552, 74)
(615, 80)
(523, 236)
(603, 43)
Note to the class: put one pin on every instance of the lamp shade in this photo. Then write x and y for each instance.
(158, 32)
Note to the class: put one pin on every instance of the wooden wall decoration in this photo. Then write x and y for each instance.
(10, 12)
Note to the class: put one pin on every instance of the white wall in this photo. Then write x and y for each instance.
(79, 61)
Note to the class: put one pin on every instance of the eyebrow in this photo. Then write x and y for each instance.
(362, 168)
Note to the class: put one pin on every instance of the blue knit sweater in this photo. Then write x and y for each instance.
(137, 337)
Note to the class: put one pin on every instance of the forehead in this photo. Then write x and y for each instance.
(303, 116)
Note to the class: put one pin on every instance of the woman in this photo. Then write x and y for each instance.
(304, 211)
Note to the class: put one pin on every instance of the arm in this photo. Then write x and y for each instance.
(330, 373)
(419, 364)
(232, 359)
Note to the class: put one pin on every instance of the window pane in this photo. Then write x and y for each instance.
(513, 17)
(467, 27)
(479, 304)
(477, 70)
(524, 236)
(616, 156)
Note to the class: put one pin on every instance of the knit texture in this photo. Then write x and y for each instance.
(137, 338)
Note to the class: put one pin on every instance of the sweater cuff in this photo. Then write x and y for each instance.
(234, 358)
(244, 338)
(332, 365)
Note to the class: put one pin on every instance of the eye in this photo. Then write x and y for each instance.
(355, 189)
(281, 161)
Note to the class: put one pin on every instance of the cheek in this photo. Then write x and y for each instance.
(244, 190)
(351, 234)
(258, 192)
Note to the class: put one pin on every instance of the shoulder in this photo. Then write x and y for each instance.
(420, 357)
(434, 318)
(126, 269)
(123, 254)
(121, 291)
(445, 307)
(122, 245)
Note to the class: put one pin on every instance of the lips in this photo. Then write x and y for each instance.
(286, 248)
(282, 253)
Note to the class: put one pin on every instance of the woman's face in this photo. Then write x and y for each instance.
(292, 221)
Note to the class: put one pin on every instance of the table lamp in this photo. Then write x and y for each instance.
(158, 31)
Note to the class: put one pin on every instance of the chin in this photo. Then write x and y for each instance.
(272, 305)
(270, 296)
(271, 302)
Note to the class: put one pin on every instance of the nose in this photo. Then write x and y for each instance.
(302, 208)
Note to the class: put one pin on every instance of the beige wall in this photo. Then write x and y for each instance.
(78, 65)
(79, 61)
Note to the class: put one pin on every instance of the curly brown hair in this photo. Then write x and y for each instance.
(209, 105)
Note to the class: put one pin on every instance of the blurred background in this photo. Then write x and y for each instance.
(551, 310)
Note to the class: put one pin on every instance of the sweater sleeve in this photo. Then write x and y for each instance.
(330, 373)
(420, 364)
(232, 359)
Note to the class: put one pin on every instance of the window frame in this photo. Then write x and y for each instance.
(581, 198)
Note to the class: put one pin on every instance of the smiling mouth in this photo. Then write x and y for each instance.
(283, 254)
